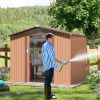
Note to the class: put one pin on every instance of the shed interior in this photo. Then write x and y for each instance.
(36, 66)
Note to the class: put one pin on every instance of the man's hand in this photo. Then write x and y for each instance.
(61, 63)
(58, 60)
(64, 62)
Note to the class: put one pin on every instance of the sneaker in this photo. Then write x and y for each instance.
(52, 98)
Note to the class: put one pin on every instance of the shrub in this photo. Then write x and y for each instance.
(93, 79)
(4, 73)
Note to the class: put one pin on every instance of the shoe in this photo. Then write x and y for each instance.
(51, 98)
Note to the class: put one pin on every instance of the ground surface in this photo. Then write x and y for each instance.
(36, 93)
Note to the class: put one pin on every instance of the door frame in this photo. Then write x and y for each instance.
(28, 74)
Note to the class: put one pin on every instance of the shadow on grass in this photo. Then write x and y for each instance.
(21, 95)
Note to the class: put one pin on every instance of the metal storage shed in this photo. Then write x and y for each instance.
(66, 44)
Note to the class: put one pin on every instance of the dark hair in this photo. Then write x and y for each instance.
(49, 35)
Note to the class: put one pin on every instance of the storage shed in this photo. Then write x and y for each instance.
(26, 62)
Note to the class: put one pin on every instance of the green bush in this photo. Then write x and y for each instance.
(93, 79)
(98, 98)
(4, 73)
(4, 77)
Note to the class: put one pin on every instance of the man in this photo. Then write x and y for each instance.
(50, 62)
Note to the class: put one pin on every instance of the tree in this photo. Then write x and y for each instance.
(13, 20)
(80, 14)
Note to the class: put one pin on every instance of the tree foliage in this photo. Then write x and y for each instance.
(80, 14)
(17, 19)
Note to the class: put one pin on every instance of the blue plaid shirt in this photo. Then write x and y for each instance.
(48, 56)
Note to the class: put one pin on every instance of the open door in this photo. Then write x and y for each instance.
(36, 66)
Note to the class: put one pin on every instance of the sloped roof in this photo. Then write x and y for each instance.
(33, 30)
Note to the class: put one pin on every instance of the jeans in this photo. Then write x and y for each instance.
(49, 76)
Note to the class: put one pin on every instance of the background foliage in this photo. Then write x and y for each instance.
(83, 15)
(80, 16)
(16, 19)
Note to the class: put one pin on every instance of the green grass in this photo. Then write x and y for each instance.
(93, 59)
(2, 61)
(78, 93)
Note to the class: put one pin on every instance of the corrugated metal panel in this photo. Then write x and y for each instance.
(18, 60)
(78, 68)
(62, 49)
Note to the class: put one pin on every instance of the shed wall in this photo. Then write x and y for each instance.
(65, 48)
(62, 50)
(78, 68)
(18, 67)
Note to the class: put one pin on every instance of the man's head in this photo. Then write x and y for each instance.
(50, 37)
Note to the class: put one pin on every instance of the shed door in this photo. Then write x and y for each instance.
(36, 66)
(19, 69)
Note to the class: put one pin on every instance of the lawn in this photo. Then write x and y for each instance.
(2, 61)
(79, 93)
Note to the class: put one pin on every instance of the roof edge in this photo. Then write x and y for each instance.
(45, 28)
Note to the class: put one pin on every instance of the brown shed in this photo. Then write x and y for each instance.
(26, 64)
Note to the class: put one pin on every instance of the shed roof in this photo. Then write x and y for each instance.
(45, 30)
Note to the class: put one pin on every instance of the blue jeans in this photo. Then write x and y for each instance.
(49, 76)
